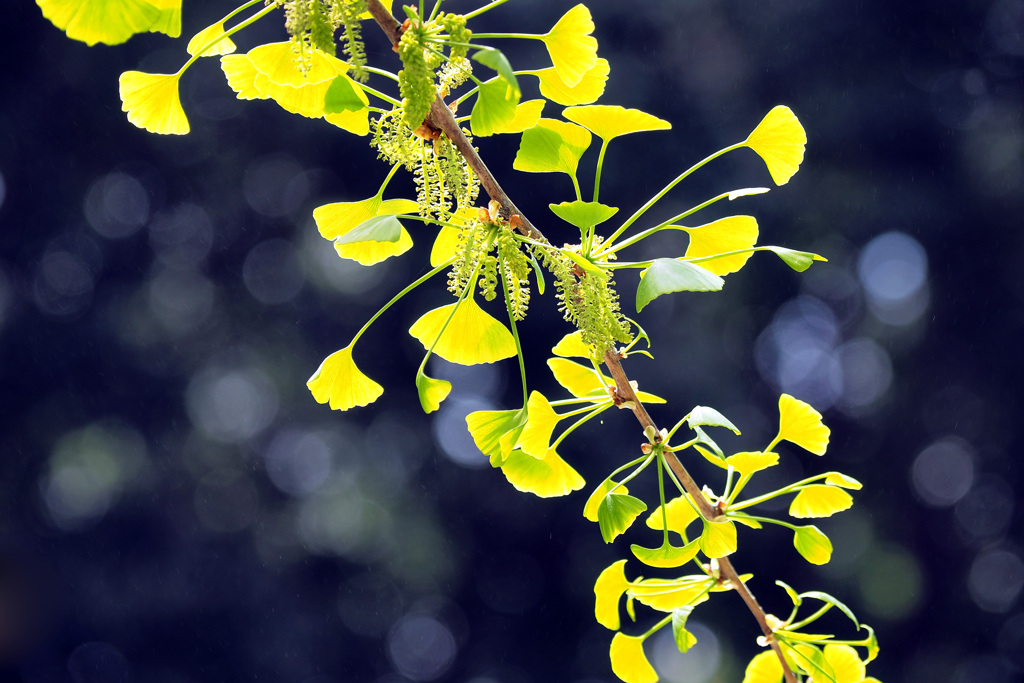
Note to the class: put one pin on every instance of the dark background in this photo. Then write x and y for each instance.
(174, 506)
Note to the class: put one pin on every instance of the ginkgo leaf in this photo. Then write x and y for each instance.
(472, 336)
(536, 436)
(572, 345)
(801, 424)
(338, 220)
(344, 95)
(277, 62)
(370, 252)
(446, 245)
(764, 668)
(306, 100)
(495, 432)
(169, 20)
(241, 75)
(667, 555)
(584, 215)
(377, 229)
(812, 544)
(496, 60)
(572, 49)
(750, 462)
(679, 512)
(153, 103)
(544, 477)
(845, 663)
(709, 417)
(495, 107)
(840, 479)
(810, 660)
(594, 501)
(339, 382)
(102, 21)
(608, 122)
(779, 139)
(818, 500)
(628, 660)
(734, 233)
(608, 590)
(797, 260)
(616, 513)
(224, 46)
(684, 639)
(667, 275)
(431, 391)
(666, 595)
(526, 117)
(355, 122)
(583, 382)
(589, 89)
(552, 147)
(718, 539)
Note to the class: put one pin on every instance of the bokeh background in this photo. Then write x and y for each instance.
(176, 508)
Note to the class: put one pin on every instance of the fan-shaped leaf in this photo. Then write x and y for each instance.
(609, 122)
(536, 437)
(572, 49)
(797, 260)
(669, 275)
(584, 382)
(616, 513)
(709, 417)
(666, 556)
(339, 382)
(495, 108)
(595, 499)
(551, 147)
(495, 432)
(718, 539)
(496, 59)
(750, 462)
(608, 590)
(666, 595)
(779, 139)
(103, 21)
(224, 46)
(571, 345)
(818, 500)
(814, 546)
(527, 115)
(431, 391)
(680, 513)
(628, 660)
(241, 75)
(472, 336)
(152, 102)
(734, 233)
(584, 215)
(544, 477)
(764, 668)
(344, 95)
(801, 424)
(588, 90)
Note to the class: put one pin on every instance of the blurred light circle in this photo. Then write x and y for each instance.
(226, 501)
(3, 190)
(99, 663)
(891, 583)
(421, 648)
(181, 237)
(893, 269)
(298, 462)
(116, 205)
(272, 272)
(451, 435)
(987, 509)
(1011, 640)
(1005, 22)
(369, 603)
(275, 186)
(483, 381)
(699, 664)
(511, 583)
(943, 472)
(181, 299)
(231, 405)
(995, 580)
(867, 373)
(339, 519)
(63, 284)
(340, 274)
(6, 295)
(987, 668)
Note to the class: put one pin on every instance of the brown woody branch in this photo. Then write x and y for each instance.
(442, 118)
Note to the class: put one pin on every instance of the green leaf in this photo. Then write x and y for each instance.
(489, 427)
(608, 122)
(813, 545)
(825, 597)
(544, 477)
(819, 500)
(584, 215)
(709, 417)
(616, 513)
(572, 49)
(797, 260)
(377, 229)
(669, 275)
(431, 391)
(342, 95)
(580, 260)
(684, 639)
(667, 556)
(791, 592)
(496, 59)
(552, 147)
(812, 661)
(718, 539)
(495, 108)
(708, 441)
(596, 498)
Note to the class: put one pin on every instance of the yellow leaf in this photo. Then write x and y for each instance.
(819, 500)
(755, 461)
(588, 90)
(495, 431)
(571, 345)
(102, 21)
(355, 122)
(812, 544)
(340, 382)
(801, 424)
(169, 20)
(446, 245)
(779, 139)
(280, 78)
(718, 539)
(337, 219)
(152, 102)
(306, 100)
(628, 660)
(369, 253)
(666, 595)
(608, 590)
(584, 382)
(734, 233)
(667, 555)
(473, 336)
(845, 663)
(241, 75)
(536, 436)
(608, 122)
(224, 46)
(527, 115)
(334, 220)
(545, 477)
(680, 514)
(594, 501)
(277, 62)
(572, 49)
(764, 668)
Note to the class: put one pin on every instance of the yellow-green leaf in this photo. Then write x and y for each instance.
(666, 595)
(594, 501)
(277, 61)
(572, 49)
(337, 220)
(545, 477)
(845, 663)
(628, 660)
(840, 479)
(339, 382)
(583, 382)
(734, 233)
(536, 436)
(495, 432)
(679, 512)
(814, 546)
(779, 139)
(551, 147)
(764, 668)
(355, 122)
(609, 122)
(472, 336)
(152, 102)
(103, 21)
(616, 513)
(667, 555)
(169, 20)
(703, 416)
(527, 115)
(718, 539)
(588, 90)
(750, 462)
(801, 424)
(584, 215)
(819, 500)
(495, 107)
(224, 46)
(608, 590)
(241, 75)
(571, 345)
(431, 391)
(446, 245)
(666, 275)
